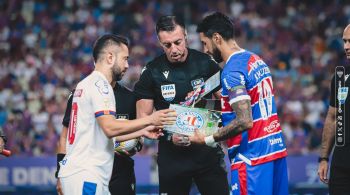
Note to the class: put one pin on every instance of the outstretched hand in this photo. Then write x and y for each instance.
(180, 140)
(197, 137)
(152, 132)
(163, 117)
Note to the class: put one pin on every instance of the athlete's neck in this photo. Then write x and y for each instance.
(107, 73)
(228, 48)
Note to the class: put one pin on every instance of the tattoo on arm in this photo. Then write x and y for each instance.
(328, 133)
(242, 121)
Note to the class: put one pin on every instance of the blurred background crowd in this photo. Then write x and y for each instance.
(46, 46)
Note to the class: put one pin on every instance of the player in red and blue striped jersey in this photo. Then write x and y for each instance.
(250, 123)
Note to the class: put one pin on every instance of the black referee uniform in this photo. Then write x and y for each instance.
(123, 176)
(167, 83)
(339, 182)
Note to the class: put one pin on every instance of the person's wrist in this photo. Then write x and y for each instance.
(210, 141)
(169, 137)
(321, 159)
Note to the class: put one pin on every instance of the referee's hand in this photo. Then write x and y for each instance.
(181, 140)
(59, 187)
(322, 171)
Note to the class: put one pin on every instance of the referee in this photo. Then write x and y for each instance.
(166, 80)
(339, 182)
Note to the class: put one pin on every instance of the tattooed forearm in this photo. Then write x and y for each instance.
(328, 133)
(242, 121)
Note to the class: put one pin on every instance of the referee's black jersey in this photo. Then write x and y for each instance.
(341, 154)
(167, 83)
(125, 104)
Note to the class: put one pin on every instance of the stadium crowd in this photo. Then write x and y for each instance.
(45, 49)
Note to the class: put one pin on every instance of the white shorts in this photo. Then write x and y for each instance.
(83, 183)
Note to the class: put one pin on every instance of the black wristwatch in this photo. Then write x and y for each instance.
(320, 159)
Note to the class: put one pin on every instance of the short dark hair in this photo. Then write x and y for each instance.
(106, 40)
(216, 23)
(168, 23)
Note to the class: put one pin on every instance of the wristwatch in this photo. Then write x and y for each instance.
(323, 159)
(169, 137)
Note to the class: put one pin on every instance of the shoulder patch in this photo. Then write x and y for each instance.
(102, 87)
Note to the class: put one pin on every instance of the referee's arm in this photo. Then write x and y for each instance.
(327, 143)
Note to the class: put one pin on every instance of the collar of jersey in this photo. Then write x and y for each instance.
(102, 75)
(234, 53)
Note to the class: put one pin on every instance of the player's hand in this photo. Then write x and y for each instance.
(126, 153)
(152, 132)
(181, 140)
(132, 152)
(163, 117)
(2, 144)
(59, 187)
(189, 94)
(197, 137)
(322, 171)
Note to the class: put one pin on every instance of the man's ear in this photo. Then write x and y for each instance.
(217, 38)
(110, 57)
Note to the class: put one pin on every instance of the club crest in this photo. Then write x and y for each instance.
(190, 120)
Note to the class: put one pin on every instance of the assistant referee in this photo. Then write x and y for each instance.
(339, 181)
(166, 80)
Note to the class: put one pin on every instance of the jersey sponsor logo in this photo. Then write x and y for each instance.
(242, 79)
(63, 162)
(122, 116)
(168, 92)
(342, 94)
(106, 102)
(197, 83)
(234, 187)
(102, 86)
(276, 141)
(272, 126)
(190, 120)
(261, 73)
(78, 92)
(166, 74)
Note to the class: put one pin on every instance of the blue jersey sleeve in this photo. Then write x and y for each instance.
(234, 82)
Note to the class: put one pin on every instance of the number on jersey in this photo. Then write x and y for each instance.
(265, 98)
(73, 123)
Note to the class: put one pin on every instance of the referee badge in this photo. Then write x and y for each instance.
(342, 94)
(197, 83)
(168, 92)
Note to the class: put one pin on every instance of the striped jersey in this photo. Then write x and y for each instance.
(88, 148)
(264, 141)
